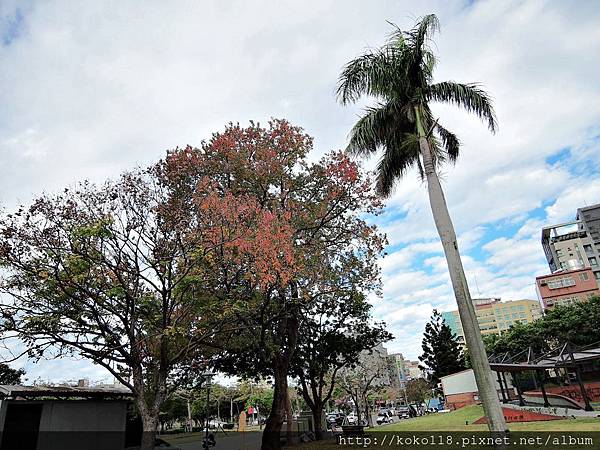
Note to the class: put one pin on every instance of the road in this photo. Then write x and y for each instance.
(230, 441)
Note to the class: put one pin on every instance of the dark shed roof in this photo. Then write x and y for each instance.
(86, 392)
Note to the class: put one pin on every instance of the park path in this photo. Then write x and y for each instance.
(229, 441)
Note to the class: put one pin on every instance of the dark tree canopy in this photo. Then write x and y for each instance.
(8, 375)
(418, 390)
(335, 330)
(442, 354)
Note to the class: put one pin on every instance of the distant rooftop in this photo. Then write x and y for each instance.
(89, 392)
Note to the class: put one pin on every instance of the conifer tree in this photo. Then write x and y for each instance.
(442, 354)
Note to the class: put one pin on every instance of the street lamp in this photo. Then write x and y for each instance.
(207, 378)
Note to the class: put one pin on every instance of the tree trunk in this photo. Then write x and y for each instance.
(317, 414)
(272, 432)
(357, 407)
(468, 318)
(149, 423)
(288, 415)
(368, 415)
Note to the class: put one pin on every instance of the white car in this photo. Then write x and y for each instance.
(352, 419)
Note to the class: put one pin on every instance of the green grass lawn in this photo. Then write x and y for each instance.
(460, 420)
(463, 418)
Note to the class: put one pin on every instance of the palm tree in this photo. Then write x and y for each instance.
(400, 76)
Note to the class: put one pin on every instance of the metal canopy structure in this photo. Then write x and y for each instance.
(566, 356)
(13, 392)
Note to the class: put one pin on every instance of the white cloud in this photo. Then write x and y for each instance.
(90, 90)
(578, 194)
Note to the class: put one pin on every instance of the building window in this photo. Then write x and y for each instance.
(593, 261)
(597, 275)
(588, 249)
(558, 283)
(583, 276)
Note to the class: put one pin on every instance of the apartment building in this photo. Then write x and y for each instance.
(567, 286)
(495, 316)
(403, 370)
(576, 244)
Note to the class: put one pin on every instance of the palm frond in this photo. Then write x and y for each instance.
(396, 37)
(449, 142)
(425, 28)
(378, 126)
(469, 96)
(369, 74)
(420, 59)
(397, 159)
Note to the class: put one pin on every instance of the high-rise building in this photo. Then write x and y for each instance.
(589, 216)
(414, 371)
(399, 372)
(567, 286)
(495, 316)
(576, 244)
(403, 370)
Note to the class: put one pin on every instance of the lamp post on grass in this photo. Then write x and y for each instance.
(207, 378)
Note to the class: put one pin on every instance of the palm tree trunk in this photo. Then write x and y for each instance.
(466, 310)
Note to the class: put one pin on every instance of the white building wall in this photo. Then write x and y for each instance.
(464, 381)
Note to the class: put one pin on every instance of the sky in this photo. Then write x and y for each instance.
(89, 89)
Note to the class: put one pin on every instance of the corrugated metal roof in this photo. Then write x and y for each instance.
(64, 391)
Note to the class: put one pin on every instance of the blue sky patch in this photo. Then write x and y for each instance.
(12, 27)
(558, 157)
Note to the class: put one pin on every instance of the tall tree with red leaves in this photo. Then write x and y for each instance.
(287, 231)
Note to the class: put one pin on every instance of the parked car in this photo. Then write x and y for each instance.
(159, 444)
(335, 419)
(404, 412)
(352, 419)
